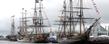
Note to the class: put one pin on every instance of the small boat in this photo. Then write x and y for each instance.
(2, 37)
(52, 38)
(12, 36)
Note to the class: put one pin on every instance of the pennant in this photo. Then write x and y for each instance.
(36, 1)
(64, 5)
(13, 16)
(41, 0)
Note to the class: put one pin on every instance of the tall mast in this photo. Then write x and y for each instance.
(35, 12)
(81, 15)
(40, 15)
(38, 19)
(107, 29)
(22, 23)
(64, 17)
(13, 26)
(71, 16)
(25, 22)
(35, 16)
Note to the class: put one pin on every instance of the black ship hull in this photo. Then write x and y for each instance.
(12, 37)
(85, 42)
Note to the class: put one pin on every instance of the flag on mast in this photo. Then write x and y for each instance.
(36, 1)
(64, 6)
(13, 16)
(41, 0)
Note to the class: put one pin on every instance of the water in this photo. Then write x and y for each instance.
(13, 42)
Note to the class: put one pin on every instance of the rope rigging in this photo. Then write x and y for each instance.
(96, 8)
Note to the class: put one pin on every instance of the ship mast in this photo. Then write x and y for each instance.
(35, 16)
(71, 16)
(23, 23)
(35, 12)
(38, 18)
(64, 18)
(67, 21)
(13, 26)
(81, 15)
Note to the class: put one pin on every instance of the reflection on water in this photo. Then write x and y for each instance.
(12, 42)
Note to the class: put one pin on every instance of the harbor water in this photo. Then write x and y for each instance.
(15, 42)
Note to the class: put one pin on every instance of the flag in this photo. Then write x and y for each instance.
(64, 4)
(36, 1)
(41, 0)
(13, 16)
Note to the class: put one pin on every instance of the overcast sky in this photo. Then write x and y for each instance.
(52, 9)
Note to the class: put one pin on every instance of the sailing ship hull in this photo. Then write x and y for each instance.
(23, 40)
(72, 42)
(12, 37)
(105, 41)
(91, 42)
(99, 40)
(40, 38)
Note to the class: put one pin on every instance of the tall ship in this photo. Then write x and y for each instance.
(38, 23)
(12, 36)
(38, 35)
(72, 16)
(73, 19)
(23, 34)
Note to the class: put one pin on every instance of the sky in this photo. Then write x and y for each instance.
(52, 8)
